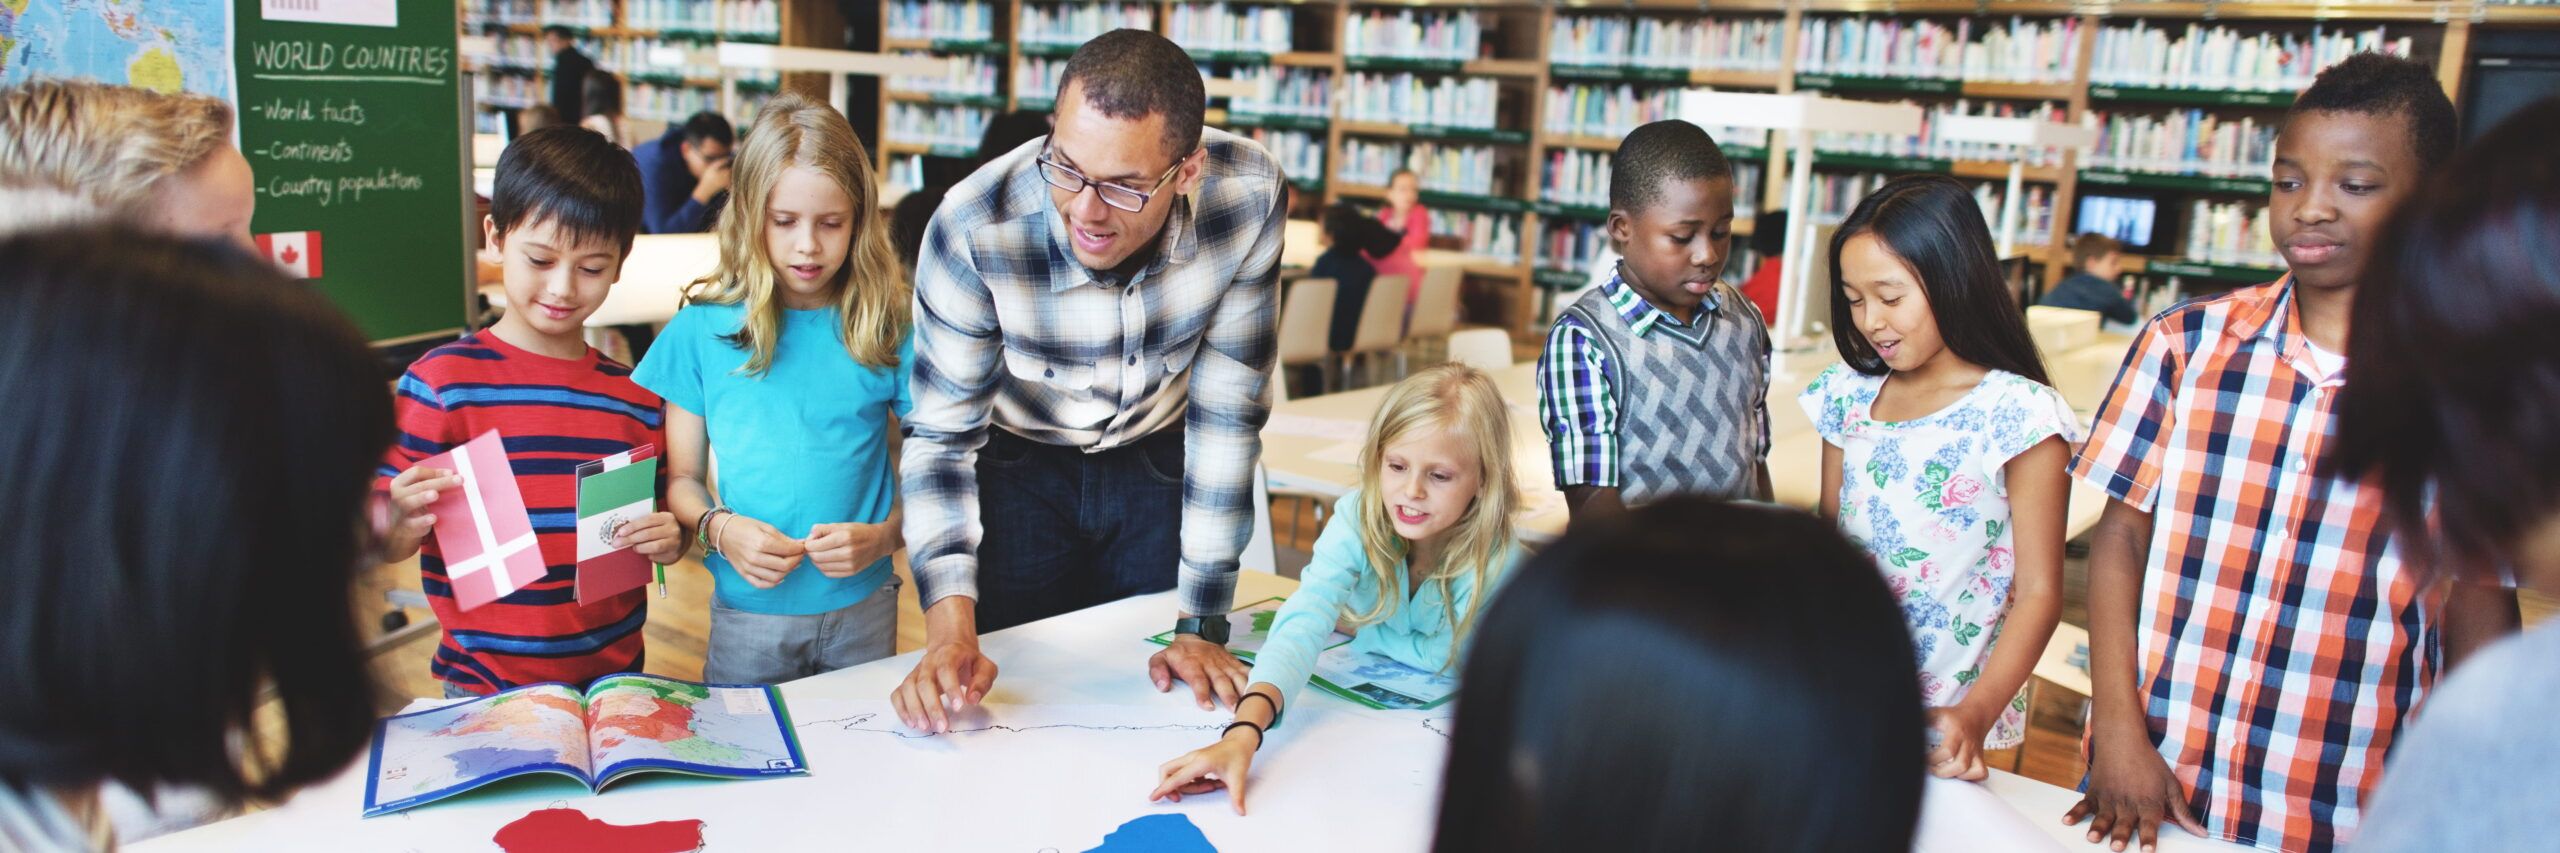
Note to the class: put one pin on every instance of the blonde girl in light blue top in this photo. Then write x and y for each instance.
(1407, 561)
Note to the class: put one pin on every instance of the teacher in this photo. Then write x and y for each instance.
(1093, 347)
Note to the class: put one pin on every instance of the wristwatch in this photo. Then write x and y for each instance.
(1212, 628)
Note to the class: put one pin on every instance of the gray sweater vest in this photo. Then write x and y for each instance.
(1692, 414)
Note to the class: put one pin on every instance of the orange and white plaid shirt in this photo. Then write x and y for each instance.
(2282, 641)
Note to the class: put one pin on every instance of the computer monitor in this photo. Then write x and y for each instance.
(2134, 221)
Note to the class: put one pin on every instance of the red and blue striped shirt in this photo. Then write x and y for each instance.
(553, 415)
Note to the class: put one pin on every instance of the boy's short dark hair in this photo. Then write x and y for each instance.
(1132, 74)
(2092, 246)
(581, 181)
(1659, 153)
(560, 31)
(2382, 85)
(709, 125)
(211, 488)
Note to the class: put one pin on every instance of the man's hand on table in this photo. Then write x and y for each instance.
(952, 675)
(1206, 666)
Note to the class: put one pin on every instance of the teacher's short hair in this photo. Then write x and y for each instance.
(189, 446)
(1132, 74)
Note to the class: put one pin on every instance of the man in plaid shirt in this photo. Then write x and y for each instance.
(1093, 337)
(2255, 640)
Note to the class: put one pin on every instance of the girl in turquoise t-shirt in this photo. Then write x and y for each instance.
(781, 377)
(1410, 558)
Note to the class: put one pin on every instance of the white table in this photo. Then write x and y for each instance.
(1332, 759)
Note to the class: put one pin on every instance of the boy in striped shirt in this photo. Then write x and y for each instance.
(561, 220)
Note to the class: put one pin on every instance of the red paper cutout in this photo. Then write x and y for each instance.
(572, 831)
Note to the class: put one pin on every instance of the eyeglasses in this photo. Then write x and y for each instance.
(1119, 196)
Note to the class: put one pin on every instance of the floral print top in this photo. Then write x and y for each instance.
(1929, 499)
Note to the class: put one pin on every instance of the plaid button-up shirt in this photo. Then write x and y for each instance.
(2282, 641)
(1009, 326)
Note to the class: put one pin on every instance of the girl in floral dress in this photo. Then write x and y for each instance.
(1943, 455)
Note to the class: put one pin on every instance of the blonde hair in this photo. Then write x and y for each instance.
(872, 293)
(110, 146)
(43, 208)
(1464, 400)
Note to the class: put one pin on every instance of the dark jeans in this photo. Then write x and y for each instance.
(1066, 529)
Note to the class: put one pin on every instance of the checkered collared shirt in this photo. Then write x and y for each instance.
(2282, 641)
(1009, 326)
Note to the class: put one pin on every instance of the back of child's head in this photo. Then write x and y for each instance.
(1460, 400)
(2400, 92)
(2092, 247)
(792, 132)
(1693, 675)
(188, 448)
(1935, 227)
(1769, 234)
(1657, 154)
(584, 185)
(1346, 226)
(2453, 389)
(603, 94)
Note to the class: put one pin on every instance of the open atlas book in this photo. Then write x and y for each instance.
(621, 725)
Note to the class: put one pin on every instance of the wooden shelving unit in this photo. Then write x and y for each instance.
(796, 22)
(1517, 57)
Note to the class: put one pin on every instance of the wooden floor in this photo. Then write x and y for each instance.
(679, 623)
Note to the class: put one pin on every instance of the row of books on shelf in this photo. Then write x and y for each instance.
(508, 92)
(728, 16)
(667, 103)
(1407, 98)
(1075, 23)
(2017, 51)
(962, 20)
(1442, 167)
(1283, 90)
(2035, 211)
(578, 13)
(1301, 154)
(1236, 29)
(1493, 235)
(962, 75)
(1440, 34)
(519, 52)
(2217, 57)
(1927, 144)
(2232, 233)
(637, 57)
(480, 13)
(1038, 76)
(1612, 110)
(2184, 142)
(936, 124)
(1581, 179)
(1720, 44)
(906, 172)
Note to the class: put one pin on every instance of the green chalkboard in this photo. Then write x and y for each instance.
(355, 132)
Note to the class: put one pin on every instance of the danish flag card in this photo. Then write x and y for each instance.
(482, 528)
(298, 252)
